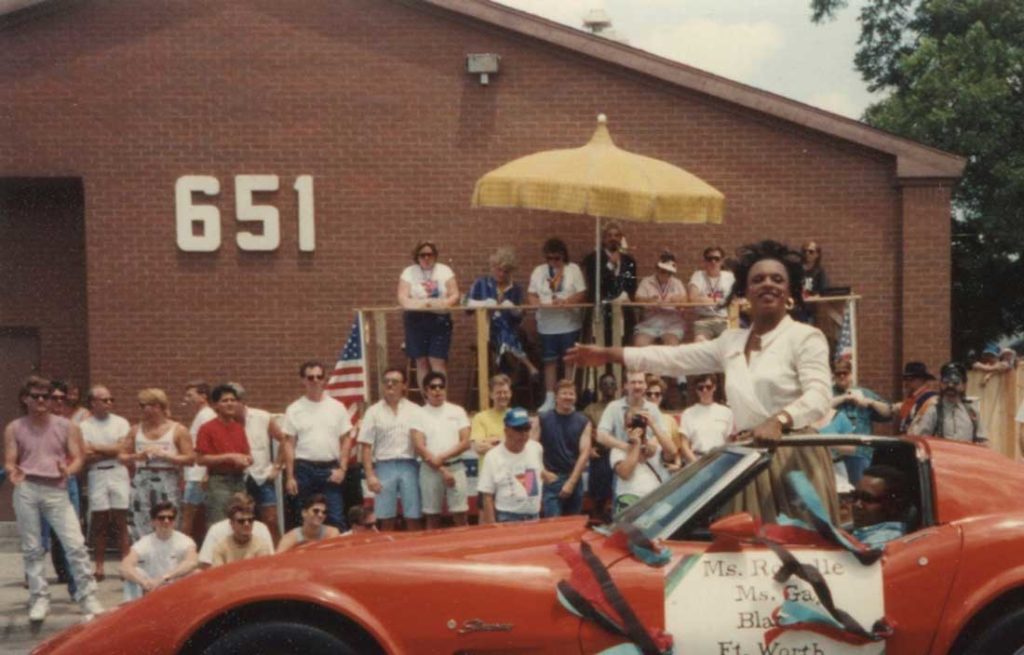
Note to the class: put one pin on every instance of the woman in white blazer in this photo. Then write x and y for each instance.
(777, 377)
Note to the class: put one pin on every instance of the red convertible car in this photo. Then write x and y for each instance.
(676, 573)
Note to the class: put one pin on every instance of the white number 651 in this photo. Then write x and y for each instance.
(188, 214)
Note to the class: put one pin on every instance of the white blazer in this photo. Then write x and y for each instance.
(789, 373)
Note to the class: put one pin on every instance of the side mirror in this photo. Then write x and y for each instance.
(736, 527)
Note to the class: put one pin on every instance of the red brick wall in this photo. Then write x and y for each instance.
(372, 99)
(927, 271)
(42, 272)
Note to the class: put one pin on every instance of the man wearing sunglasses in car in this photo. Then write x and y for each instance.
(880, 506)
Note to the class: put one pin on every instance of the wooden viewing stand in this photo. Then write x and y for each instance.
(374, 320)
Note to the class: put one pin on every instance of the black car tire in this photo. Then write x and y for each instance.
(1004, 636)
(279, 638)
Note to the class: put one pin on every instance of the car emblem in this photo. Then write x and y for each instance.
(478, 625)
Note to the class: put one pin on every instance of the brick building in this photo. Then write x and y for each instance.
(107, 105)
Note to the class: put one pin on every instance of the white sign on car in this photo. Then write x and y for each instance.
(726, 603)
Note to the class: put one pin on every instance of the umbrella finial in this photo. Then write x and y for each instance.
(601, 135)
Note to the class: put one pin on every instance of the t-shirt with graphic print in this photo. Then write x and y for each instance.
(514, 478)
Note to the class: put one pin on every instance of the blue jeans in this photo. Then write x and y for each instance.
(552, 505)
(399, 478)
(34, 502)
(75, 496)
(314, 479)
(513, 517)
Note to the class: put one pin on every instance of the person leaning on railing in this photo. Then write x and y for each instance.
(428, 289)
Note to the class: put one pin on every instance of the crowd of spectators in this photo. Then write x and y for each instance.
(157, 488)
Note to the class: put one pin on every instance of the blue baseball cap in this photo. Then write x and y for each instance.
(517, 417)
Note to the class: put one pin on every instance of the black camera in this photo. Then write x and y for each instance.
(638, 421)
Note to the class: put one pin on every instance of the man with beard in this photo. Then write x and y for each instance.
(953, 416)
(618, 274)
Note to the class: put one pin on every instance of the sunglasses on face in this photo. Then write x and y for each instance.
(705, 387)
(244, 521)
(653, 394)
(391, 382)
(713, 258)
(426, 253)
(315, 378)
(434, 387)
(165, 518)
(865, 498)
(39, 396)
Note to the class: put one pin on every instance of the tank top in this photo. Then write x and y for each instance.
(302, 537)
(165, 443)
(41, 448)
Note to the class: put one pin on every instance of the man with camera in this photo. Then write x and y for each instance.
(634, 430)
(954, 416)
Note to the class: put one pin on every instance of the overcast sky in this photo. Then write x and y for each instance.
(769, 44)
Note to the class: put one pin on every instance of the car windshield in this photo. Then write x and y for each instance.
(662, 512)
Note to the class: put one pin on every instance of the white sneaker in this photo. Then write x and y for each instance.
(39, 609)
(91, 606)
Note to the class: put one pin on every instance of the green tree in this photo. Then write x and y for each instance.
(953, 72)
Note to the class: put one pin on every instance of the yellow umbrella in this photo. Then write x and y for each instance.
(601, 179)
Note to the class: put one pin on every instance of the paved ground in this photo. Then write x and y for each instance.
(17, 636)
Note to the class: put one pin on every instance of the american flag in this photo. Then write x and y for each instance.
(844, 348)
(347, 381)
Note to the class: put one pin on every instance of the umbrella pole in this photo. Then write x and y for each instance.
(598, 307)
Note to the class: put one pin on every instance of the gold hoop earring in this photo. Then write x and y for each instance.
(790, 304)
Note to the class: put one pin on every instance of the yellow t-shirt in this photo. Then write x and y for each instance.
(488, 425)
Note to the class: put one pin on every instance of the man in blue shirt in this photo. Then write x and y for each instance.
(862, 407)
(880, 506)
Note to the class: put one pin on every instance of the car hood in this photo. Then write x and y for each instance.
(463, 543)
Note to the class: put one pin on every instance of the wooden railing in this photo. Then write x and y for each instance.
(376, 333)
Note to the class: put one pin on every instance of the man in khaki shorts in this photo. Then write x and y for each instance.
(441, 439)
(711, 285)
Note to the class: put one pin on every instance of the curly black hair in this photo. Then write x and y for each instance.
(749, 255)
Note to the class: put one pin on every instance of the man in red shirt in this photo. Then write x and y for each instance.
(224, 449)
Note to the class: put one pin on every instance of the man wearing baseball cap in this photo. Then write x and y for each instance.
(513, 474)
(952, 416)
(918, 387)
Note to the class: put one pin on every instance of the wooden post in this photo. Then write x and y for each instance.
(851, 307)
(618, 327)
(483, 358)
(364, 345)
(734, 314)
(380, 328)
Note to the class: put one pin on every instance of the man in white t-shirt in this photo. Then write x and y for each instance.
(513, 475)
(160, 557)
(707, 424)
(197, 398)
(440, 441)
(221, 530)
(634, 430)
(558, 282)
(711, 285)
(104, 434)
(389, 456)
(316, 459)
